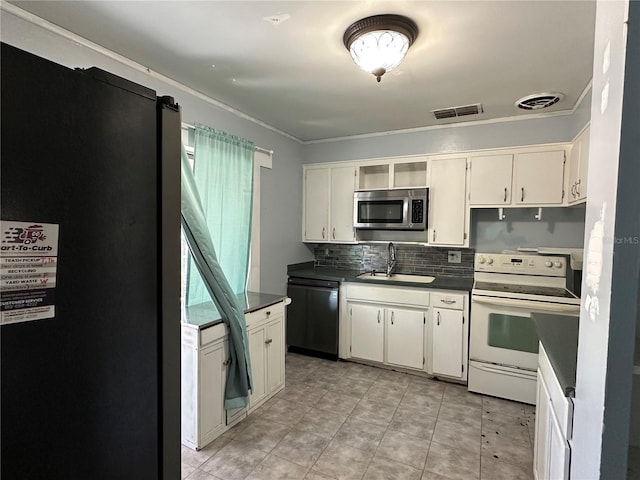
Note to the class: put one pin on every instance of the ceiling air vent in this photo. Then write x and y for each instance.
(538, 101)
(462, 111)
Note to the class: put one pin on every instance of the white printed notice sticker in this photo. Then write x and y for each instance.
(28, 263)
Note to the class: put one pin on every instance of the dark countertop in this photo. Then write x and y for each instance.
(559, 336)
(307, 270)
(206, 314)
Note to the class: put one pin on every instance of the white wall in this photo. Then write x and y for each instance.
(281, 193)
(610, 284)
(450, 139)
(559, 227)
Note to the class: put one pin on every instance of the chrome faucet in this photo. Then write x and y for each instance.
(391, 258)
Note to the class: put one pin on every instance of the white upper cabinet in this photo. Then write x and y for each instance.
(328, 204)
(529, 178)
(578, 167)
(316, 205)
(341, 199)
(539, 178)
(393, 173)
(447, 202)
(490, 180)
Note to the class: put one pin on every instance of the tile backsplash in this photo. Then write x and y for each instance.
(417, 260)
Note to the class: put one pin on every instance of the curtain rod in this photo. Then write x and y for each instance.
(259, 149)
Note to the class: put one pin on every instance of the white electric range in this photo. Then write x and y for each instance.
(503, 345)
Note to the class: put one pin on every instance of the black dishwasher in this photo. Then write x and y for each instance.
(312, 317)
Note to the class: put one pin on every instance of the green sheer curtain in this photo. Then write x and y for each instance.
(223, 172)
(196, 233)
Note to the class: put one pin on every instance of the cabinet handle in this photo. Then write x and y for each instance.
(392, 317)
(334, 233)
(438, 318)
(323, 232)
(448, 302)
(434, 235)
(268, 313)
(505, 194)
(522, 196)
(267, 342)
(578, 188)
(573, 189)
(378, 316)
(227, 361)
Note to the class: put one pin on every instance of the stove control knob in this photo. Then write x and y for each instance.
(548, 263)
(481, 260)
(557, 264)
(489, 261)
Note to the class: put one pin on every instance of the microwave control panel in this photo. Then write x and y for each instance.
(417, 211)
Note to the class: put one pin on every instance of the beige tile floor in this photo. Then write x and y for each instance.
(342, 420)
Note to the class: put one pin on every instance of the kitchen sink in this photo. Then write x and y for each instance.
(397, 277)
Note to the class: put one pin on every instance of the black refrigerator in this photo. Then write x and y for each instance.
(94, 391)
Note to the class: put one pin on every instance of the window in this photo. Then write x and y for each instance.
(261, 159)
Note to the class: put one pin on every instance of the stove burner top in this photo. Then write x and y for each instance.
(525, 289)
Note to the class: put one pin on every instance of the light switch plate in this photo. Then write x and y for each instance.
(454, 256)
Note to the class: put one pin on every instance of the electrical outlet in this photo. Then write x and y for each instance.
(454, 256)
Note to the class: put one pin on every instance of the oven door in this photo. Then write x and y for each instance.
(503, 333)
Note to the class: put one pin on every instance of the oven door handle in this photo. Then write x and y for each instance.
(538, 306)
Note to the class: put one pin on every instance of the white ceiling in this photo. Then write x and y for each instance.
(298, 77)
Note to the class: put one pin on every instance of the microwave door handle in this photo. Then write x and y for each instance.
(539, 306)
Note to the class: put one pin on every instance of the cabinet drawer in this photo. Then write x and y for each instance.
(211, 334)
(446, 300)
(266, 313)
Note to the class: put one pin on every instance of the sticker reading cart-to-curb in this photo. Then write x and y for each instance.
(28, 263)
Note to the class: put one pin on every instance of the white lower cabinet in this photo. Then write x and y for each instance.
(405, 337)
(367, 331)
(205, 358)
(265, 329)
(393, 326)
(447, 339)
(554, 419)
(204, 375)
(449, 334)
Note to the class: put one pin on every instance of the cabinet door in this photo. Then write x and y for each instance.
(559, 451)
(541, 443)
(583, 170)
(490, 182)
(367, 332)
(275, 354)
(447, 203)
(539, 178)
(447, 342)
(342, 188)
(573, 172)
(257, 339)
(316, 205)
(405, 337)
(213, 375)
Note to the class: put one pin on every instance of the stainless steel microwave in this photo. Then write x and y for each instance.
(391, 209)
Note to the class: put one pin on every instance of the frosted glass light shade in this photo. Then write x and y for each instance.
(380, 51)
(379, 43)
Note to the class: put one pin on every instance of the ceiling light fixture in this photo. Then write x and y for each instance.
(379, 43)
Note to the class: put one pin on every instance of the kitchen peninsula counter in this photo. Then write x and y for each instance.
(559, 336)
(204, 315)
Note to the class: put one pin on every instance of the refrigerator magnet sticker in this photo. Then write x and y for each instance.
(28, 263)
